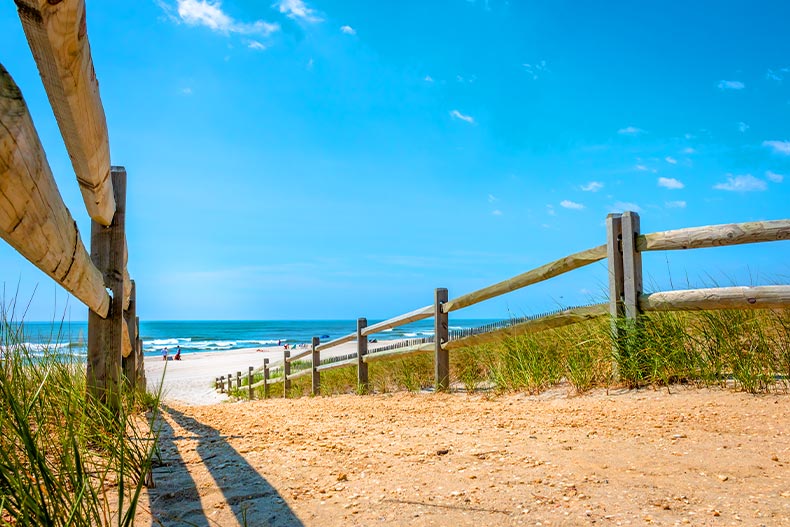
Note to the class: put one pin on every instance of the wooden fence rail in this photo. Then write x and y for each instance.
(33, 218)
(623, 251)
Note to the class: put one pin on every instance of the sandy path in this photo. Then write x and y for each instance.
(697, 457)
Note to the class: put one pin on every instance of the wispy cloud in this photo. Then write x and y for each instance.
(535, 70)
(779, 147)
(689, 151)
(671, 160)
(622, 206)
(210, 14)
(550, 210)
(776, 75)
(297, 9)
(496, 212)
(458, 115)
(744, 183)
(492, 198)
(254, 44)
(675, 204)
(592, 186)
(348, 30)
(731, 85)
(643, 168)
(630, 130)
(742, 127)
(568, 204)
(773, 176)
(186, 91)
(670, 183)
(428, 78)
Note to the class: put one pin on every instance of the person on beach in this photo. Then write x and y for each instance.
(178, 353)
(164, 354)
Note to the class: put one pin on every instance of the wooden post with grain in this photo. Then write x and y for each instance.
(249, 383)
(632, 265)
(316, 362)
(441, 333)
(614, 255)
(130, 319)
(265, 378)
(363, 383)
(105, 335)
(238, 380)
(286, 372)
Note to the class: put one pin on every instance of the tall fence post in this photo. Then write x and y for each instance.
(614, 255)
(441, 332)
(632, 265)
(286, 372)
(130, 319)
(105, 334)
(238, 380)
(265, 378)
(249, 383)
(222, 384)
(363, 383)
(316, 359)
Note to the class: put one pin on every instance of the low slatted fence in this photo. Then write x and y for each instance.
(33, 217)
(623, 252)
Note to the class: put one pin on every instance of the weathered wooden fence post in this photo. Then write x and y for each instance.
(222, 384)
(441, 332)
(363, 383)
(316, 359)
(614, 255)
(230, 382)
(249, 383)
(130, 319)
(105, 334)
(632, 265)
(238, 380)
(286, 372)
(265, 378)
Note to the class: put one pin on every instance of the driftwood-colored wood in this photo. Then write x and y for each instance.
(556, 320)
(251, 390)
(632, 265)
(57, 34)
(129, 360)
(400, 320)
(715, 236)
(337, 342)
(300, 355)
(265, 378)
(33, 218)
(338, 364)
(286, 373)
(614, 257)
(222, 384)
(441, 331)
(758, 297)
(315, 361)
(400, 353)
(363, 384)
(300, 373)
(539, 274)
(106, 336)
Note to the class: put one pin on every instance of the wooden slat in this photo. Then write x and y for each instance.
(33, 218)
(556, 320)
(399, 353)
(337, 342)
(715, 236)
(338, 364)
(759, 297)
(300, 355)
(300, 373)
(539, 274)
(400, 320)
(56, 32)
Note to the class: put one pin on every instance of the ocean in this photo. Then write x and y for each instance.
(70, 338)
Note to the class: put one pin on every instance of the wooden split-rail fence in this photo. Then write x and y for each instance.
(35, 221)
(623, 251)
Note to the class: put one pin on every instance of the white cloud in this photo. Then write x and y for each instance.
(731, 85)
(779, 147)
(297, 9)
(491, 198)
(689, 151)
(186, 91)
(670, 183)
(592, 186)
(568, 204)
(496, 212)
(745, 183)
(742, 127)
(254, 44)
(550, 210)
(671, 160)
(630, 130)
(310, 64)
(458, 115)
(643, 168)
(348, 30)
(773, 176)
(622, 206)
(776, 75)
(428, 78)
(210, 14)
(535, 69)
(675, 204)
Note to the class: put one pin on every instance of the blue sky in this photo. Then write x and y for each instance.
(321, 159)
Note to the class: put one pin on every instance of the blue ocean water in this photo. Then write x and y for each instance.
(70, 338)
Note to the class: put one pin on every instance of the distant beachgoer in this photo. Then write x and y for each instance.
(178, 353)
(164, 354)
(279, 342)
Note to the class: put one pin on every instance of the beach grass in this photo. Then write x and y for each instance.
(67, 459)
(747, 350)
